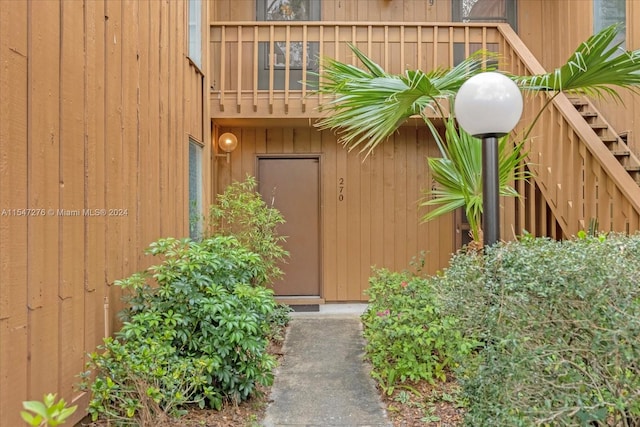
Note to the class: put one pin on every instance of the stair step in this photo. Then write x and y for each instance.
(577, 102)
(635, 175)
(633, 171)
(608, 139)
(624, 136)
(621, 153)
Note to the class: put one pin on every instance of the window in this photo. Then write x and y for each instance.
(485, 11)
(482, 11)
(300, 63)
(288, 10)
(195, 189)
(195, 32)
(609, 12)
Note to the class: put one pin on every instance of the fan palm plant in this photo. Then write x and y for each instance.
(458, 174)
(369, 105)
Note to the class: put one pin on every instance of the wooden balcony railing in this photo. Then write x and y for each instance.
(257, 67)
(252, 74)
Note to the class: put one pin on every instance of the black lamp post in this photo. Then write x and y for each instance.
(488, 106)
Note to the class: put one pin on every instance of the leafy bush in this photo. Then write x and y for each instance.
(560, 323)
(408, 335)
(48, 412)
(199, 335)
(241, 212)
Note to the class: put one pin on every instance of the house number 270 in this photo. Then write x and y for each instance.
(340, 189)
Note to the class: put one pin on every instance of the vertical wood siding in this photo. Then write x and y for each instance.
(347, 10)
(576, 174)
(552, 30)
(378, 221)
(97, 103)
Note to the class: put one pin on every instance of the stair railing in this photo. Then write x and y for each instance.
(578, 176)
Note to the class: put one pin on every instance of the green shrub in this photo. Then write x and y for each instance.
(48, 412)
(560, 323)
(241, 212)
(199, 335)
(408, 336)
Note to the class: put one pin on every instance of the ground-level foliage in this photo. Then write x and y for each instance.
(554, 325)
(197, 325)
(198, 337)
(241, 212)
(409, 337)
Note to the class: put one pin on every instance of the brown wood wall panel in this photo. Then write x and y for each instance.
(44, 191)
(377, 220)
(147, 154)
(95, 171)
(364, 225)
(93, 99)
(13, 193)
(151, 168)
(113, 138)
(400, 203)
(413, 189)
(330, 190)
(130, 84)
(163, 142)
(72, 196)
(341, 218)
(354, 214)
(377, 215)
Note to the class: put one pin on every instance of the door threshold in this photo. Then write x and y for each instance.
(302, 304)
(299, 300)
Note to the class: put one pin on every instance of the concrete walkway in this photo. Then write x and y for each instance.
(322, 380)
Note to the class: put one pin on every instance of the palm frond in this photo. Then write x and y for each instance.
(368, 106)
(458, 174)
(594, 69)
(374, 68)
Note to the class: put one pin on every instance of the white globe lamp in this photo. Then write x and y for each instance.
(489, 106)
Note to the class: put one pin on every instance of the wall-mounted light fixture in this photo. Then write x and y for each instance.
(227, 142)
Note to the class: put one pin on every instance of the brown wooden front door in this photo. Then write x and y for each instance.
(292, 185)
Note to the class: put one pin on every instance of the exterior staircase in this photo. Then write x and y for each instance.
(615, 142)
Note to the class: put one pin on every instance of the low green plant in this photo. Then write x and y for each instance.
(241, 212)
(430, 417)
(408, 336)
(560, 327)
(278, 320)
(198, 336)
(47, 412)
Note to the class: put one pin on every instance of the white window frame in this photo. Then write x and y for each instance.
(600, 22)
(195, 188)
(195, 32)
